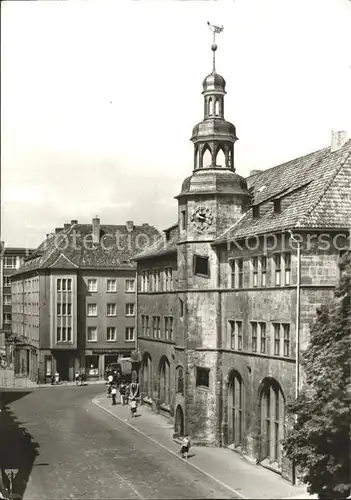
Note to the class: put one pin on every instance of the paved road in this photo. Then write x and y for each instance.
(72, 449)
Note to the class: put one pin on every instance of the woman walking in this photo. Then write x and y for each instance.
(185, 447)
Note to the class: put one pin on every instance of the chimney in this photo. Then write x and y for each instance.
(338, 139)
(66, 225)
(130, 226)
(96, 230)
(58, 230)
(255, 172)
(74, 222)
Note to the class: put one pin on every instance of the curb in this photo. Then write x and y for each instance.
(96, 403)
(45, 386)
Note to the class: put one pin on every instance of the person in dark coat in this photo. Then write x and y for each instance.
(122, 392)
(114, 395)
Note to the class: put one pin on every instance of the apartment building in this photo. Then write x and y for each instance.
(225, 297)
(74, 299)
(11, 259)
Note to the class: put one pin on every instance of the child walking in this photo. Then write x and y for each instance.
(185, 447)
(133, 407)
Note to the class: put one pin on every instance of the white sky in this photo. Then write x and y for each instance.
(99, 99)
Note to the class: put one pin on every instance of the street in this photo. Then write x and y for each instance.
(73, 449)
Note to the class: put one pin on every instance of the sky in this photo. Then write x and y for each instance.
(99, 99)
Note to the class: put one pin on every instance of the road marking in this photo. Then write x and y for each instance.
(97, 403)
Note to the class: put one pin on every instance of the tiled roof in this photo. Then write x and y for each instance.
(73, 248)
(315, 192)
(167, 244)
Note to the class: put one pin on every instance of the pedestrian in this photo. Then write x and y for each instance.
(77, 378)
(134, 390)
(133, 407)
(127, 396)
(57, 377)
(185, 446)
(108, 390)
(122, 392)
(114, 395)
(52, 379)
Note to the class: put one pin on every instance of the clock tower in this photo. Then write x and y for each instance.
(211, 200)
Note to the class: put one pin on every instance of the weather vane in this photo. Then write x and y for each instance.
(215, 30)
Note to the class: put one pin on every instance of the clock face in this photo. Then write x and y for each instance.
(202, 218)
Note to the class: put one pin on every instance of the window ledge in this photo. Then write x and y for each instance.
(203, 388)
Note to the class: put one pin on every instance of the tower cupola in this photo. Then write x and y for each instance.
(214, 137)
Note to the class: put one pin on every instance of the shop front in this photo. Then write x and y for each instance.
(96, 361)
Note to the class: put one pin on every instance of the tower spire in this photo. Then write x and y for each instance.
(215, 30)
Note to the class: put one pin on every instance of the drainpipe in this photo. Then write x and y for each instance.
(297, 333)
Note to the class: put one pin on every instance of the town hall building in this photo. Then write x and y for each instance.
(226, 296)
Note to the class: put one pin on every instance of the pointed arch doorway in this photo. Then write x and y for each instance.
(179, 422)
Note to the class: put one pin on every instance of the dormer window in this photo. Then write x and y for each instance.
(277, 206)
(255, 211)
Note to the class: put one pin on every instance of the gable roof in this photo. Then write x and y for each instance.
(165, 245)
(63, 262)
(73, 248)
(315, 191)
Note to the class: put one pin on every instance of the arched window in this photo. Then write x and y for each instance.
(197, 158)
(164, 381)
(217, 107)
(180, 380)
(220, 159)
(235, 409)
(272, 416)
(210, 106)
(146, 381)
(206, 158)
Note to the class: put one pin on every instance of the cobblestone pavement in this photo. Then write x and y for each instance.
(63, 446)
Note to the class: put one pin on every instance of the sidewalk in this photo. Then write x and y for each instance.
(223, 465)
(9, 381)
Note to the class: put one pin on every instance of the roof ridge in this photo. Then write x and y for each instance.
(288, 161)
(326, 187)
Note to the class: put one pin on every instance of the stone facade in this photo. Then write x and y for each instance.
(251, 261)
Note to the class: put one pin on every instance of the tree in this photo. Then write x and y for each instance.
(319, 443)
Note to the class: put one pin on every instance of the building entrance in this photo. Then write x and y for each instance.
(179, 422)
(63, 365)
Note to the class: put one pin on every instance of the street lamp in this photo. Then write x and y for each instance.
(297, 334)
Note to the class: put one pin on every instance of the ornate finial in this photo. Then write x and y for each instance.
(215, 29)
